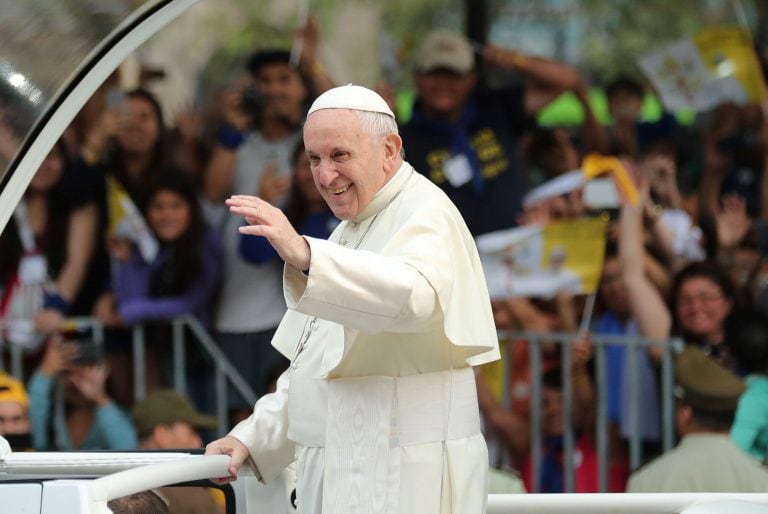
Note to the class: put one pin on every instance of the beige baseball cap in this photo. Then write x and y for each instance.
(447, 49)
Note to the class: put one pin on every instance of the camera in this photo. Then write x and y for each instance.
(252, 103)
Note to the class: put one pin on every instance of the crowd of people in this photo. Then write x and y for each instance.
(687, 259)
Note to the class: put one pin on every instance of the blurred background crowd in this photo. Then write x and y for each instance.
(687, 258)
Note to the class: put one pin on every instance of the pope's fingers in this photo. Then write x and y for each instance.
(237, 451)
(236, 201)
(247, 211)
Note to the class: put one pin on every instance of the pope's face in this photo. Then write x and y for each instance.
(349, 165)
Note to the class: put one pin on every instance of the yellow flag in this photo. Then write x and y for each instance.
(728, 51)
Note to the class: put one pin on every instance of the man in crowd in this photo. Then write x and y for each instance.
(167, 420)
(706, 459)
(385, 321)
(262, 127)
(464, 137)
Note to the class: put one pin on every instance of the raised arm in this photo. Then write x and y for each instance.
(648, 308)
(309, 63)
(219, 172)
(547, 78)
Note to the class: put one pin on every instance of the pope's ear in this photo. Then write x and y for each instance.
(393, 144)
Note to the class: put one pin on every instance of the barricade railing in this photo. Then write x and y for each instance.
(224, 371)
(600, 343)
(16, 351)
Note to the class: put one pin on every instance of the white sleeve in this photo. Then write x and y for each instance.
(265, 432)
(362, 290)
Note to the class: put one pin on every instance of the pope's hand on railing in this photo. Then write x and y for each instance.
(231, 446)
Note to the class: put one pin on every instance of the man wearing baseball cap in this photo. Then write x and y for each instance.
(706, 459)
(166, 419)
(464, 137)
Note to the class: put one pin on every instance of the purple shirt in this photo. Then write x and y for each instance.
(132, 282)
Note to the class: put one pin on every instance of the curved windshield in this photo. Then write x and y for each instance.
(43, 43)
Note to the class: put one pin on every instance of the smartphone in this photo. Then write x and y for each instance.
(600, 193)
(115, 99)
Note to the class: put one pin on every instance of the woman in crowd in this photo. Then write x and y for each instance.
(46, 250)
(702, 296)
(184, 275)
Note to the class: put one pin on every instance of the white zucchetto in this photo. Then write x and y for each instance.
(353, 97)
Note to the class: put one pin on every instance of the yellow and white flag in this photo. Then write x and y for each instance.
(717, 65)
(562, 257)
(126, 221)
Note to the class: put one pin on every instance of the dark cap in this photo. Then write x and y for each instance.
(704, 384)
(166, 407)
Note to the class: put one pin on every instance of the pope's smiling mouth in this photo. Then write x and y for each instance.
(337, 191)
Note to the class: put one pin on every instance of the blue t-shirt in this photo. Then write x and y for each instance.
(618, 381)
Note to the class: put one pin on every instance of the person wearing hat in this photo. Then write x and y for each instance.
(262, 126)
(464, 136)
(14, 412)
(706, 459)
(385, 321)
(167, 420)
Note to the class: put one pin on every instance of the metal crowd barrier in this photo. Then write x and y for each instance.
(600, 342)
(16, 352)
(224, 372)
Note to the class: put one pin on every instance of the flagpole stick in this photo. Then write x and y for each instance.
(741, 15)
(586, 316)
(298, 40)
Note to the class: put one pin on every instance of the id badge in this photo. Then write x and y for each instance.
(457, 170)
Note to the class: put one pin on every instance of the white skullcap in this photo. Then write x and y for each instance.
(353, 97)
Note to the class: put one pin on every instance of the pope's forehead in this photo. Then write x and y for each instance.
(332, 123)
(331, 117)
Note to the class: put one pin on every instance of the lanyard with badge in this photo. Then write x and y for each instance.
(25, 296)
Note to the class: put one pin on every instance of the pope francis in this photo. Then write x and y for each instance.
(385, 321)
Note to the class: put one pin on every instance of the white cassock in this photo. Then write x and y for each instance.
(379, 407)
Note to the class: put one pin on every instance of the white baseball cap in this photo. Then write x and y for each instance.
(357, 98)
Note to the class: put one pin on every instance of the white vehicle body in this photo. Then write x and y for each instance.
(83, 482)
